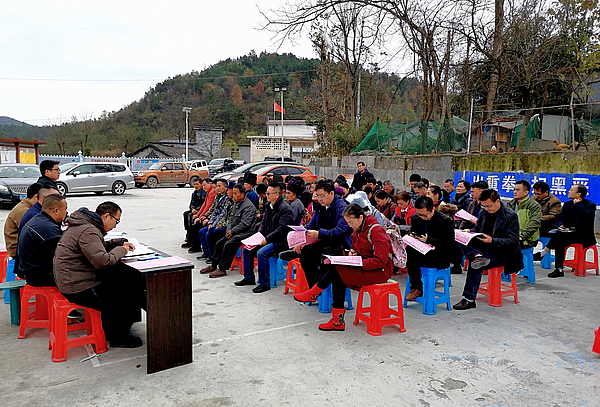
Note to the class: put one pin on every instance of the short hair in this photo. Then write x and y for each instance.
(436, 190)
(221, 180)
(214, 181)
(52, 201)
(361, 162)
(480, 185)
(47, 165)
(196, 180)
(368, 190)
(419, 185)
(414, 178)
(33, 189)
(387, 182)
(425, 181)
(344, 185)
(353, 211)
(108, 207)
(526, 184)
(581, 189)
(326, 185)
(44, 192)
(424, 202)
(278, 186)
(449, 181)
(208, 180)
(371, 180)
(404, 195)
(261, 188)
(542, 186)
(381, 194)
(490, 194)
(465, 183)
(240, 187)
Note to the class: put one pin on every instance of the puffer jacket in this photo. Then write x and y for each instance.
(530, 219)
(82, 250)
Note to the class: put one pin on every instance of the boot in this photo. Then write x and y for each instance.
(310, 295)
(336, 323)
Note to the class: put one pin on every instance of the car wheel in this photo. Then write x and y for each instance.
(180, 185)
(152, 182)
(61, 188)
(98, 192)
(192, 181)
(118, 188)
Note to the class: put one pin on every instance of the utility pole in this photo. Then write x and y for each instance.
(187, 111)
(282, 89)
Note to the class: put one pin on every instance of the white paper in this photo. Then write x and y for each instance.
(346, 260)
(464, 237)
(418, 245)
(462, 214)
(253, 241)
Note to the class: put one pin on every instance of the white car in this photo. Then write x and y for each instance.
(94, 177)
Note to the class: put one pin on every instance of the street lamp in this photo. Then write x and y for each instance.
(187, 111)
(282, 89)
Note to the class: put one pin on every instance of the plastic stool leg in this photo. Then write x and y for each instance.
(349, 299)
(325, 301)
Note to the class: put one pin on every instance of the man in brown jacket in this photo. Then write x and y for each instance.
(88, 272)
(551, 207)
(11, 226)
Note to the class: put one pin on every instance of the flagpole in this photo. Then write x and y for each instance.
(282, 109)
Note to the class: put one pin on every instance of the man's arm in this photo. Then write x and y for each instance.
(93, 248)
(535, 220)
(286, 218)
(340, 228)
(511, 228)
(553, 212)
(246, 220)
(446, 235)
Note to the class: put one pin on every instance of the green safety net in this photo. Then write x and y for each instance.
(533, 132)
(406, 138)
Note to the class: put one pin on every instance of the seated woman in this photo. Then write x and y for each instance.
(370, 241)
(405, 209)
(435, 193)
(385, 205)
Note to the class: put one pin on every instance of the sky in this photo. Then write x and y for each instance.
(60, 59)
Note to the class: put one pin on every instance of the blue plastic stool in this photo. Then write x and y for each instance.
(10, 276)
(548, 259)
(326, 300)
(528, 272)
(432, 298)
(277, 270)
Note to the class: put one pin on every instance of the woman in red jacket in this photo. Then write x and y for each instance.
(369, 241)
(405, 209)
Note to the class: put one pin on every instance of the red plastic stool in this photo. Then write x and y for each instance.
(39, 316)
(596, 347)
(238, 261)
(295, 281)
(494, 288)
(380, 313)
(3, 264)
(59, 342)
(579, 265)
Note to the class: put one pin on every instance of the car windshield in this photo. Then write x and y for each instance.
(217, 161)
(66, 166)
(155, 166)
(249, 167)
(18, 171)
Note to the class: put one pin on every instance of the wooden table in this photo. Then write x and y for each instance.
(168, 315)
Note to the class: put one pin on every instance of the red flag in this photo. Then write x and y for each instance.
(279, 108)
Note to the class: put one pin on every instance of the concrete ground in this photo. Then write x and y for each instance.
(265, 349)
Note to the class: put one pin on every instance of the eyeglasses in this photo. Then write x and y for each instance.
(486, 207)
(423, 215)
(55, 169)
(118, 220)
(319, 196)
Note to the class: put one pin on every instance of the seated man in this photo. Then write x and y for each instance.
(196, 225)
(50, 173)
(329, 226)
(88, 272)
(240, 226)
(38, 240)
(449, 189)
(576, 225)
(274, 227)
(500, 245)
(215, 219)
(432, 227)
(551, 207)
(414, 178)
(196, 202)
(389, 189)
(13, 220)
(474, 207)
(529, 213)
(420, 189)
(37, 207)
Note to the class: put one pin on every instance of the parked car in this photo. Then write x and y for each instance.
(94, 177)
(223, 165)
(285, 170)
(14, 181)
(167, 173)
(244, 168)
(197, 165)
(278, 158)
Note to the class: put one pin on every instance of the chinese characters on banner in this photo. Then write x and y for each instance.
(504, 182)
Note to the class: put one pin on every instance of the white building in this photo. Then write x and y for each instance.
(300, 140)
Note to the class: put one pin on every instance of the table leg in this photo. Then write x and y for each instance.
(15, 306)
(169, 319)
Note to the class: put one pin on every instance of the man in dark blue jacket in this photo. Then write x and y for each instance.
(576, 225)
(361, 176)
(329, 226)
(38, 240)
(50, 173)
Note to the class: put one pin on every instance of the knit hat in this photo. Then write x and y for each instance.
(250, 178)
(296, 185)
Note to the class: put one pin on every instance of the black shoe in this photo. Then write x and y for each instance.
(537, 256)
(186, 245)
(456, 270)
(260, 289)
(204, 255)
(479, 262)
(128, 341)
(556, 273)
(465, 304)
(245, 282)
(194, 250)
(288, 255)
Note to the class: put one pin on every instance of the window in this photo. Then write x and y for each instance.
(294, 171)
(279, 170)
(102, 168)
(118, 168)
(179, 167)
(83, 169)
(167, 167)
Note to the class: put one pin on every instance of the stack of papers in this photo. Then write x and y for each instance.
(298, 237)
(253, 241)
(346, 260)
(418, 245)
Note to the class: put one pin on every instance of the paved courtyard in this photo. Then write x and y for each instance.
(265, 349)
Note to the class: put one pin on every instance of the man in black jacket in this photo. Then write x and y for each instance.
(432, 227)
(499, 246)
(360, 178)
(50, 173)
(274, 227)
(38, 240)
(576, 225)
(196, 202)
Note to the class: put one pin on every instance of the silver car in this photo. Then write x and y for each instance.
(94, 177)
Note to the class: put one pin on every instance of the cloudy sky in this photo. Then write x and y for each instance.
(63, 58)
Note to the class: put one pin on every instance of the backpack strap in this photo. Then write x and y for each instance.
(390, 255)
